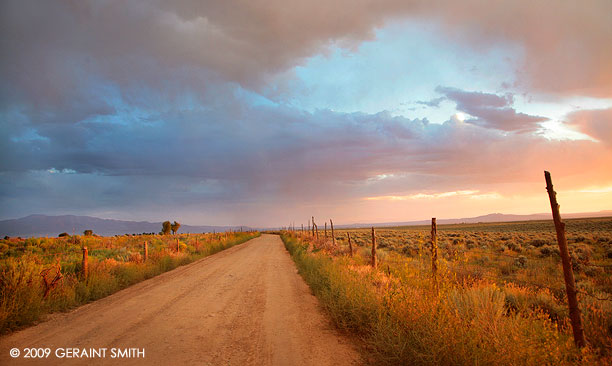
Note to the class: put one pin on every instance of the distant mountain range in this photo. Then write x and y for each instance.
(43, 225)
(494, 217)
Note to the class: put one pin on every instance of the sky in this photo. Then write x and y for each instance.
(264, 113)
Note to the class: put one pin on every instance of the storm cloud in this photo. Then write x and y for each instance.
(148, 107)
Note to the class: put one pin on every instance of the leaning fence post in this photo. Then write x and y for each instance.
(373, 248)
(84, 264)
(331, 223)
(350, 245)
(146, 251)
(568, 274)
(434, 252)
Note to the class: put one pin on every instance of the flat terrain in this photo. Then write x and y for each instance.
(243, 306)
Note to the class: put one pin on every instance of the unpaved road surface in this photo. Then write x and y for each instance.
(246, 305)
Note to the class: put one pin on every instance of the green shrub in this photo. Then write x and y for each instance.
(539, 243)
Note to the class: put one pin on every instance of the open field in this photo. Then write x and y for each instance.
(43, 275)
(599, 224)
(501, 292)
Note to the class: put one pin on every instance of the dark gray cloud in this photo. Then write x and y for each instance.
(469, 100)
(491, 110)
(433, 102)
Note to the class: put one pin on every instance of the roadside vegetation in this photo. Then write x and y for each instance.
(44, 275)
(500, 298)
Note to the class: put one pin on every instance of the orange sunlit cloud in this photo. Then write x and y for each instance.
(417, 196)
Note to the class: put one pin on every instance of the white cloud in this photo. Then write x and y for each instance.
(419, 196)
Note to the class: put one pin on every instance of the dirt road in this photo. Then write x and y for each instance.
(243, 306)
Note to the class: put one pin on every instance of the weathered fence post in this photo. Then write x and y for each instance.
(350, 245)
(326, 231)
(146, 250)
(373, 248)
(197, 245)
(568, 274)
(434, 252)
(84, 264)
(178, 246)
(308, 226)
(313, 227)
(331, 223)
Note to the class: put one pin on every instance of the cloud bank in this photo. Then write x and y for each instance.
(149, 106)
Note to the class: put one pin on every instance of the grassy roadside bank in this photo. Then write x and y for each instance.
(112, 267)
(402, 320)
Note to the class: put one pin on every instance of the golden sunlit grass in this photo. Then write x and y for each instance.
(501, 297)
(114, 263)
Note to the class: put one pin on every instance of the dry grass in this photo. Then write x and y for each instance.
(114, 263)
(501, 300)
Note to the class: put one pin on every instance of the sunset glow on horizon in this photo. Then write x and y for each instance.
(265, 113)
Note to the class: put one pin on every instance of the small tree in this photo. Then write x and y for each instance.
(88, 232)
(166, 226)
(175, 226)
(63, 235)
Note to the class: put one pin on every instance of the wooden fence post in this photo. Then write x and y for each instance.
(350, 245)
(178, 246)
(84, 264)
(197, 245)
(146, 251)
(331, 223)
(326, 231)
(373, 248)
(308, 226)
(434, 252)
(313, 227)
(568, 273)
